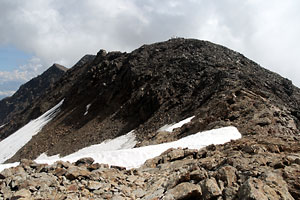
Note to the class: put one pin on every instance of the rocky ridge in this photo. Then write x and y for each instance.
(160, 84)
(155, 85)
(250, 168)
(44, 92)
(27, 94)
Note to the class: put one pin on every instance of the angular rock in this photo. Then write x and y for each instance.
(198, 175)
(72, 188)
(252, 189)
(210, 188)
(84, 161)
(184, 191)
(60, 171)
(94, 185)
(139, 193)
(23, 193)
(277, 184)
(228, 175)
(176, 154)
(77, 172)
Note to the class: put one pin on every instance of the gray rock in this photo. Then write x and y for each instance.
(23, 193)
(210, 188)
(228, 175)
(176, 154)
(94, 185)
(252, 189)
(154, 194)
(76, 172)
(84, 161)
(198, 175)
(117, 197)
(277, 184)
(184, 190)
(139, 193)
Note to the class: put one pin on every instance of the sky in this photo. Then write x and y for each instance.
(34, 34)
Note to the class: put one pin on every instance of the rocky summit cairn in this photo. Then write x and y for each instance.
(144, 90)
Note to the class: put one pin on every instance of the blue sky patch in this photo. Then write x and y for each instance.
(12, 58)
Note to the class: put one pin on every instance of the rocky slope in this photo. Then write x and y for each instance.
(37, 96)
(251, 168)
(160, 84)
(26, 95)
(110, 94)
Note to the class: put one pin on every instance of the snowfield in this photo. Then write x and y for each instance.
(135, 157)
(10, 145)
(120, 151)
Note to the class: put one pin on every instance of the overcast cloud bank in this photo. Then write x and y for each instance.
(63, 31)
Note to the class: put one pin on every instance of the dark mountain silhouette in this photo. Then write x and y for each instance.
(110, 94)
(32, 99)
(160, 84)
(28, 93)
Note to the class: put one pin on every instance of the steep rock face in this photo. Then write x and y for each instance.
(164, 83)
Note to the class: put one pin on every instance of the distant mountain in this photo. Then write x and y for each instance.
(34, 98)
(27, 94)
(147, 92)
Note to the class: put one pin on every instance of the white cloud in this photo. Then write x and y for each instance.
(63, 31)
(7, 93)
(24, 73)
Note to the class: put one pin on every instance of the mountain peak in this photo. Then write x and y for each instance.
(161, 93)
(60, 67)
(27, 94)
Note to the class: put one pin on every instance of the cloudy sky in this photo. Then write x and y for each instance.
(34, 34)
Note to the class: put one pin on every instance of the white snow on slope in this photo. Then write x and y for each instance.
(133, 158)
(171, 127)
(10, 145)
(5, 166)
(123, 142)
(87, 109)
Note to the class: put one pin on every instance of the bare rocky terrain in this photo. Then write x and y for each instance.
(160, 84)
(251, 168)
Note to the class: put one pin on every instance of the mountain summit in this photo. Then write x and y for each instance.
(147, 91)
(162, 83)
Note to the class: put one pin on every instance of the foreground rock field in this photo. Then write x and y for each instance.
(253, 167)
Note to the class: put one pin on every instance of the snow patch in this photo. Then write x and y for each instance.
(10, 145)
(1, 126)
(135, 157)
(9, 165)
(123, 142)
(87, 109)
(171, 127)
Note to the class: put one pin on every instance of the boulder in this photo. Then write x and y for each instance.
(94, 185)
(76, 172)
(184, 190)
(228, 175)
(84, 161)
(210, 188)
